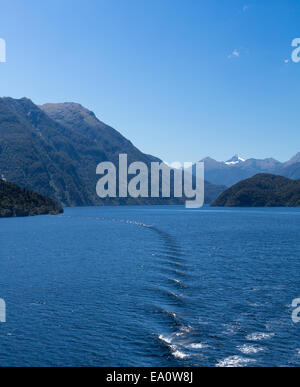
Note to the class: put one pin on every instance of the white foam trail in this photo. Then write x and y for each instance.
(180, 355)
(174, 349)
(167, 340)
(172, 314)
(250, 349)
(186, 329)
(175, 280)
(136, 223)
(258, 336)
(175, 295)
(234, 361)
(198, 346)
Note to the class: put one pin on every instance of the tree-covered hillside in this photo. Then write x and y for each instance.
(16, 201)
(262, 190)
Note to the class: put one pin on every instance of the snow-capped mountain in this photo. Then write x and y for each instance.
(236, 159)
(237, 168)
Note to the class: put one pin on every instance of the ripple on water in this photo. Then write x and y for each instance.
(177, 282)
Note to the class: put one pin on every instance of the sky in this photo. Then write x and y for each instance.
(182, 79)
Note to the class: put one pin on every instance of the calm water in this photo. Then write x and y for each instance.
(155, 286)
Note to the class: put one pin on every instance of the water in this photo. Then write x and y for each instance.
(151, 286)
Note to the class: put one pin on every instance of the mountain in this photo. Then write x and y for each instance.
(39, 154)
(237, 169)
(54, 150)
(291, 171)
(293, 160)
(77, 118)
(235, 160)
(262, 190)
(230, 172)
(108, 141)
(16, 201)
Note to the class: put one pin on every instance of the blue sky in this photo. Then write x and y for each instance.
(182, 79)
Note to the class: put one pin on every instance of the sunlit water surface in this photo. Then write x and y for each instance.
(151, 286)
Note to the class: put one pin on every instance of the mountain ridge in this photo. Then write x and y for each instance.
(55, 149)
(230, 173)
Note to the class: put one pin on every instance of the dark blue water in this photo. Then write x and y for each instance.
(151, 286)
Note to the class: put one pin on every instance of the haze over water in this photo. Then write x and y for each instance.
(151, 286)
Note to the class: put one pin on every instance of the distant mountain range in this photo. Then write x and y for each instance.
(16, 201)
(236, 169)
(54, 150)
(262, 190)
